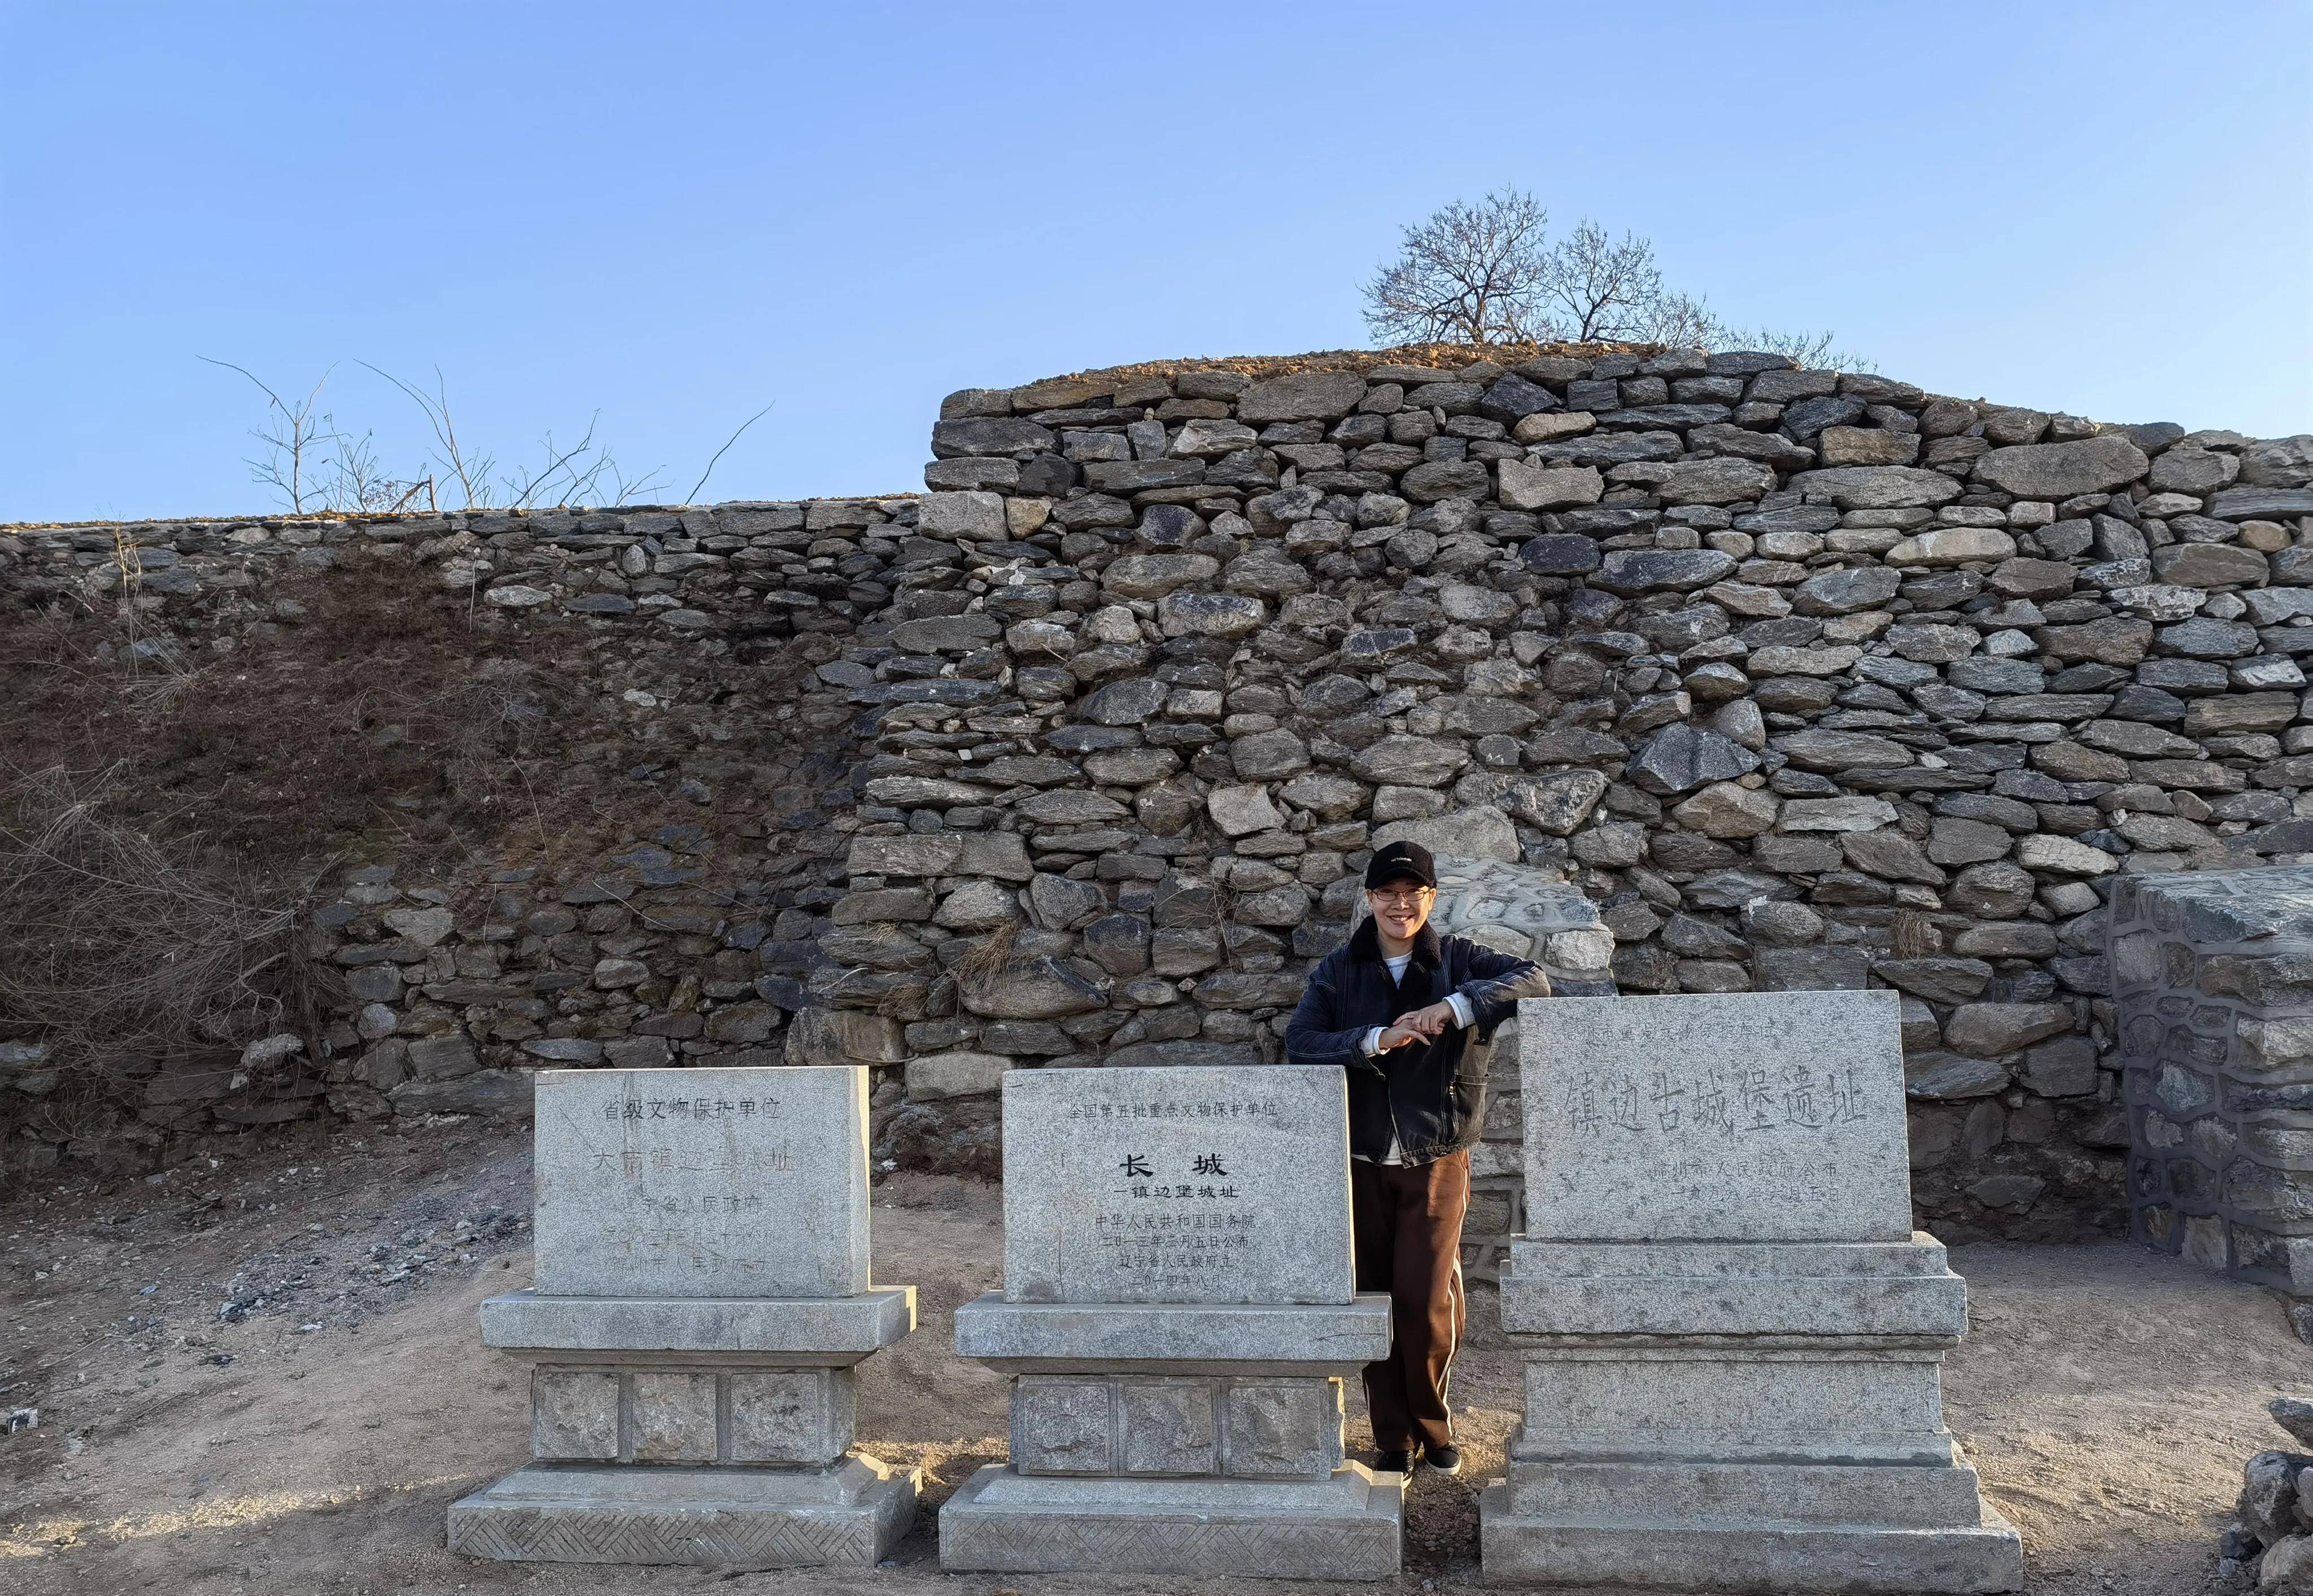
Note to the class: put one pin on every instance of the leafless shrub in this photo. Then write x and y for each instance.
(127, 958)
(315, 465)
(493, 714)
(294, 436)
(1594, 288)
(1489, 274)
(354, 483)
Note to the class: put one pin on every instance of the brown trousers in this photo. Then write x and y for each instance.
(1408, 1220)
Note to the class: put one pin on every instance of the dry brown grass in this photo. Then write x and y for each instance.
(989, 958)
(1438, 357)
(391, 713)
(129, 958)
(1914, 935)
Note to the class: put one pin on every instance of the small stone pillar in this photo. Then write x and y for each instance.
(1733, 1336)
(703, 1298)
(2212, 996)
(1178, 1313)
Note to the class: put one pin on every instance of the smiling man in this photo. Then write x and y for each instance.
(1410, 1015)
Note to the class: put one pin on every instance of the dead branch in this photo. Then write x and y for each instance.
(692, 497)
(296, 435)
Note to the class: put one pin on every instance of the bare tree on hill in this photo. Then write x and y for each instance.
(1473, 274)
(1489, 273)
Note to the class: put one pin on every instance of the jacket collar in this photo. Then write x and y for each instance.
(1365, 945)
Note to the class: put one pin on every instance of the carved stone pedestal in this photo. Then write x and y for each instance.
(1761, 1417)
(700, 1431)
(1183, 1439)
(701, 1294)
(1733, 1336)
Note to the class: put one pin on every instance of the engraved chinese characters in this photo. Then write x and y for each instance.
(1175, 1185)
(1731, 1333)
(702, 1183)
(1752, 1117)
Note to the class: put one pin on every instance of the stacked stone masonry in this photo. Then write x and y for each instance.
(1780, 678)
(2212, 978)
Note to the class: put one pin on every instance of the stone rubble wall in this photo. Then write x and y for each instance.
(1801, 679)
(1753, 678)
(2212, 979)
(683, 942)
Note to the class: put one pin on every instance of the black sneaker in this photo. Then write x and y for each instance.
(1397, 1462)
(1445, 1460)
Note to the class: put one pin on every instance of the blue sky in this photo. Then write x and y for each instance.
(676, 214)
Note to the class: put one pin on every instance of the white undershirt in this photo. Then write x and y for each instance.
(1371, 1047)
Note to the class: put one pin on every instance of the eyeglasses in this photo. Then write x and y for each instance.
(1402, 900)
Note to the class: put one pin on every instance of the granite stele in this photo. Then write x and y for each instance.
(1177, 1314)
(1733, 1338)
(702, 1297)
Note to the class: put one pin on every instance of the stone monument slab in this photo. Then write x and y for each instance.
(702, 1183)
(1178, 1310)
(1166, 1184)
(1733, 1338)
(703, 1298)
(1737, 1116)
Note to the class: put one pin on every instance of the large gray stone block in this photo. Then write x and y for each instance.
(1346, 1527)
(1738, 1404)
(1177, 1314)
(825, 1330)
(1733, 1339)
(702, 1296)
(1166, 1184)
(686, 1412)
(1742, 1117)
(702, 1183)
(1764, 1556)
(1576, 1290)
(1018, 1338)
(852, 1514)
(1898, 1495)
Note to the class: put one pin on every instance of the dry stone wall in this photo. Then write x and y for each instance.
(1800, 678)
(2213, 975)
(1725, 675)
(683, 938)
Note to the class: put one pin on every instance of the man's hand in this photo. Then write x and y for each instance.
(1431, 1022)
(1422, 1025)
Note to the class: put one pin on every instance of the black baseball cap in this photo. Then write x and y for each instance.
(1401, 861)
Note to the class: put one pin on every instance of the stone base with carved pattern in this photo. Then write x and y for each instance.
(704, 1431)
(850, 1514)
(1176, 1438)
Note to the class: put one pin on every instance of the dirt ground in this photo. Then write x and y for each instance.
(264, 1376)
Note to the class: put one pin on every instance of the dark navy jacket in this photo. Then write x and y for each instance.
(1434, 1093)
